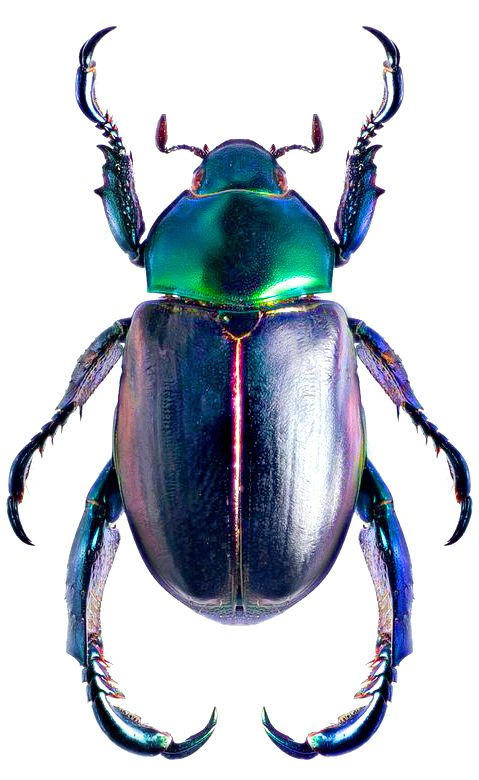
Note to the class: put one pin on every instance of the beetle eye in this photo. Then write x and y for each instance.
(197, 179)
(280, 177)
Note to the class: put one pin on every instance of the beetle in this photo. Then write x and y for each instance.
(239, 450)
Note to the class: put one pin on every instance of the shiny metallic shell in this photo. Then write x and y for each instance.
(239, 247)
(239, 446)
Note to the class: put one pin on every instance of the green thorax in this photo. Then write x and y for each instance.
(239, 237)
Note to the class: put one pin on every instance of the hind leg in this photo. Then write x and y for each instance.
(91, 558)
(387, 557)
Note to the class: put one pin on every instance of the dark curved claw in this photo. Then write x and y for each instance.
(128, 732)
(457, 466)
(123, 727)
(463, 522)
(285, 743)
(393, 79)
(350, 732)
(86, 51)
(15, 522)
(354, 729)
(392, 51)
(85, 79)
(193, 743)
(21, 467)
(86, 96)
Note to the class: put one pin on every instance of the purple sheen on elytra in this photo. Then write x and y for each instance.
(247, 562)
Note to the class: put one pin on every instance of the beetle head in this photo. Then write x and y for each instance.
(239, 165)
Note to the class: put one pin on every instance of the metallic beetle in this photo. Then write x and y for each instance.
(239, 450)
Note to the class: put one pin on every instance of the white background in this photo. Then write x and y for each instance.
(255, 70)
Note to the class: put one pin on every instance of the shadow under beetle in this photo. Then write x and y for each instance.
(239, 450)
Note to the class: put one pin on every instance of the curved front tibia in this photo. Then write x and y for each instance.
(387, 557)
(91, 558)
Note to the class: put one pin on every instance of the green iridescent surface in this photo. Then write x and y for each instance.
(239, 247)
(239, 165)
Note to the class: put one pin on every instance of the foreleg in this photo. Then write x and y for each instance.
(360, 193)
(118, 193)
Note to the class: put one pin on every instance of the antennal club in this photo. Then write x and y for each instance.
(161, 138)
(317, 138)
